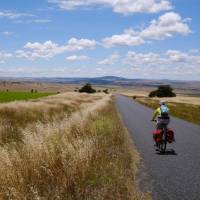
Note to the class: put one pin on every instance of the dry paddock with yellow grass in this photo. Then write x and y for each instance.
(184, 108)
(68, 146)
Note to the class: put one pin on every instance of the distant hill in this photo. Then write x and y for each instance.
(112, 80)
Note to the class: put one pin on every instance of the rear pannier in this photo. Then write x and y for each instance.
(157, 136)
(170, 135)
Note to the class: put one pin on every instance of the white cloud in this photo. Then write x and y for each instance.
(41, 21)
(124, 39)
(177, 56)
(181, 57)
(49, 49)
(119, 6)
(194, 51)
(14, 15)
(40, 50)
(4, 56)
(111, 60)
(19, 17)
(77, 58)
(140, 59)
(165, 26)
(35, 21)
(76, 44)
(172, 64)
(7, 33)
(171, 58)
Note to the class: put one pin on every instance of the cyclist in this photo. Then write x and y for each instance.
(161, 115)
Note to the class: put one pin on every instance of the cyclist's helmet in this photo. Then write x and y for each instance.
(162, 103)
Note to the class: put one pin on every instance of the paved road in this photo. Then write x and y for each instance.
(173, 176)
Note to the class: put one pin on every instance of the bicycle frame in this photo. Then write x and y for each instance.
(163, 144)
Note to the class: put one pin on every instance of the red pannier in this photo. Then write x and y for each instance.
(157, 136)
(170, 135)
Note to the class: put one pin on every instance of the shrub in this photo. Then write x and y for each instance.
(106, 91)
(87, 88)
(163, 91)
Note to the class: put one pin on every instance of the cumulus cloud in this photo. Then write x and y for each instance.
(76, 45)
(36, 50)
(140, 59)
(181, 57)
(49, 49)
(171, 64)
(77, 58)
(118, 6)
(169, 58)
(165, 26)
(111, 60)
(125, 39)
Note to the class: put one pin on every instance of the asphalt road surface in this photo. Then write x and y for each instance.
(175, 175)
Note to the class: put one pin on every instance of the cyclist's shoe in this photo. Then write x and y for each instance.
(156, 145)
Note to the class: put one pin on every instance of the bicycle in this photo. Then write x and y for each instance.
(162, 145)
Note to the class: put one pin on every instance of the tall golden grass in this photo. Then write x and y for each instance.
(86, 155)
(15, 116)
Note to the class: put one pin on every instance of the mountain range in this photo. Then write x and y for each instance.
(110, 80)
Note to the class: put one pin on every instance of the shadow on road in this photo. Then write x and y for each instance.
(168, 152)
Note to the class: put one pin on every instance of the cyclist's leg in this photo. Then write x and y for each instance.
(158, 125)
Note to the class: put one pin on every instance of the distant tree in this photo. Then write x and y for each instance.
(163, 91)
(36, 91)
(87, 88)
(7, 90)
(32, 90)
(106, 91)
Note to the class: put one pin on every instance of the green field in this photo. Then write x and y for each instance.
(17, 96)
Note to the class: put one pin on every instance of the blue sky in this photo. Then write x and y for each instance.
(152, 39)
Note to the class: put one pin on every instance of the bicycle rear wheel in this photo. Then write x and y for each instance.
(163, 144)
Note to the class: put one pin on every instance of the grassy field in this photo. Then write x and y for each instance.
(189, 112)
(15, 96)
(194, 95)
(66, 146)
(47, 87)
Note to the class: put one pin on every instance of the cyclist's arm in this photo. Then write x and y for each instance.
(156, 114)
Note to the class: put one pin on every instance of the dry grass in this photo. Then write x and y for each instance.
(40, 87)
(22, 86)
(186, 111)
(134, 91)
(86, 155)
(183, 99)
(15, 116)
